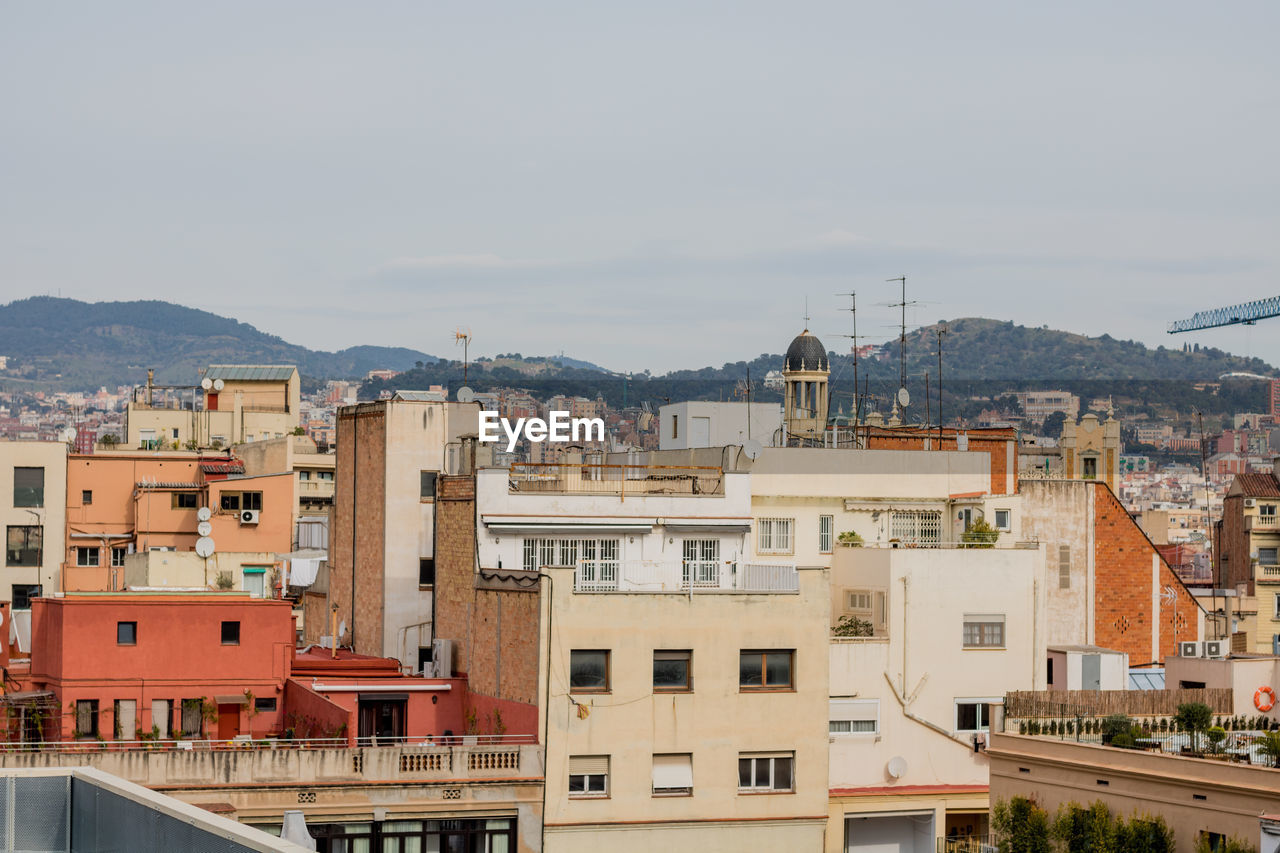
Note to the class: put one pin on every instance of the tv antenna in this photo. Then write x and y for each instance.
(902, 333)
(463, 336)
(941, 331)
(857, 395)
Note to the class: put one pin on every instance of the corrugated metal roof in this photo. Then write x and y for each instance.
(1146, 679)
(251, 372)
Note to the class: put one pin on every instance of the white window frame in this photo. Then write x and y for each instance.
(775, 535)
(826, 533)
(1277, 614)
(681, 764)
(82, 554)
(981, 620)
(978, 700)
(121, 552)
(700, 563)
(1008, 520)
(842, 711)
(770, 757)
(589, 773)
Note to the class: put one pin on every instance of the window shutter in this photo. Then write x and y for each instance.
(855, 709)
(1064, 567)
(673, 771)
(593, 764)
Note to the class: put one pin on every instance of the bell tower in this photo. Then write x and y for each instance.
(805, 371)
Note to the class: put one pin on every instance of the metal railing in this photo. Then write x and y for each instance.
(700, 576)
(93, 745)
(620, 480)
(969, 844)
(1241, 747)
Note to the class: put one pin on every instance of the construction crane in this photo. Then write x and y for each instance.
(1246, 314)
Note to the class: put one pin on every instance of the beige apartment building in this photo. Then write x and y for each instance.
(33, 501)
(1248, 546)
(232, 404)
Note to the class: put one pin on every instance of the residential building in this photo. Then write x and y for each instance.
(313, 470)
(1243, 674)
(33, 482)
(233, 404)
(1091, 449)
(716, 424)
(1248, 542)
(1038, 405)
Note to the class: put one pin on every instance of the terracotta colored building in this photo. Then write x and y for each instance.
(1001, 444)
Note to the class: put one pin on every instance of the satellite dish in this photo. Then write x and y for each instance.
(206, 383)
(204, 547)
(904, 397)
(217, 384)
(204, 528)
(897, 767)
(342, 629)
(752, 448)
(466, 395)
(68, 434)
(204, 514)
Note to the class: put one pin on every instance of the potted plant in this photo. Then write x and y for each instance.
(850, 539)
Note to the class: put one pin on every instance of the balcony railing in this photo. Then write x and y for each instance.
(620, 480)
(1266, 522)
(315, 488)
(969, 844)
(1269, 573)
(652, 576)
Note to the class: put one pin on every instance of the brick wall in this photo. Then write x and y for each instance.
(1232, 547)
(996, 443)
(359, 524)
(1122, 571)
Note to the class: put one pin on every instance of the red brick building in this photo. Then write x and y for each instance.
(1000, 443)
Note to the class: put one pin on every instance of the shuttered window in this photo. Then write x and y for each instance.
(672, 774)
(854, 716)
(588, 776)
(1064, 567)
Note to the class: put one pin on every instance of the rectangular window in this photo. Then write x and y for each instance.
(973, 715)
(701, 564)
(765, 669)
(1267, 509)
(825, 524)
(854, 717)
(192, 717)
(672, 671)
(426, 571)
(427, 485)
(87, 556)
(673, 775)
(251, 500)
(231, 633)
(28, 487)
(588, 776)
(126, 633)
(86, 718)
(1268, 556)
(186, 500)
(763, 772)
(229, 501)
(23, 593)
(984, 631)
(773, 535)
(675, 426)
(1064, 567)
(858, 600)
(1002, 519)
(1277, 613)
(24, 545)
(161, 717)
(598, 558)
(589, 671)
(117, 556)
(254, 581)
(126, 719)
(86, 497)
(916, 527)
(264, 704)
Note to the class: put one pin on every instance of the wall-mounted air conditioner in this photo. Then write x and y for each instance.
(249, 516)
(1215, 649)
(441, 659)
(1250, 502)
(1189, 650)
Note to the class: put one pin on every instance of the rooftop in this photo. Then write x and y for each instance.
(251, 372)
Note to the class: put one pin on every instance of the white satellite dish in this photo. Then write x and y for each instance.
(204, 514)
(217, 384)
(904, 397)
(68, 434)
(466, 395)
(752, 448)
(897, 767)
(204, 528)
(206, 383)
(342, 629)
(204, 547)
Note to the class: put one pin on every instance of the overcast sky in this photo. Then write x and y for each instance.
(644, 185)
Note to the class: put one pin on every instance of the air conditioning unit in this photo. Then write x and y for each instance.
(1215, 649)
(441, 659)
(1189, 650)
(249, 516)
(1250, 502)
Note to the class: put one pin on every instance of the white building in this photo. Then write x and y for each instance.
(698, 423)
(33, 510)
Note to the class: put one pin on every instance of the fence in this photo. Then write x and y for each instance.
(639, 576)
(621, 480)
(1100, 703)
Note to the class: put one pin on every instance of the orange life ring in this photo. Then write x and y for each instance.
(1264, 699)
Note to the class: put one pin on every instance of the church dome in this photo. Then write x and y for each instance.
(806, 353)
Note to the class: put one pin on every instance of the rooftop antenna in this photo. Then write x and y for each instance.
(857, 395)
(463, 336)
(902, 335)
(806, 313)
(940, 331)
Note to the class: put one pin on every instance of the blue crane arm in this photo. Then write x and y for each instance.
(1249, 313)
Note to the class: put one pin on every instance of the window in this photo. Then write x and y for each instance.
(588, 776)
(825, 523)
(236, 501)
(1090, 464)
(701, 564)
(1064, 567)
(765, 670)
(117, 556)
(1002, 519)
(23, 593)
(192, 717)
(126, 633)
(24, 545)
(672, 671)
(766, 772)
(425, 657)
(251, 500)
(325, 476)
(427, 485)
(973, 715)
(28, 487)
(596, 559)
(86, 497)
(161, 717)
(264, 704)
(589, 671)
(426, 571)
(230, 633)
(187, 500)
(1049, 673)
(1268, 556)
(773, 535)
(675, 426)
(673, 775)
(984, 631)
(230, 501)
(87, 556)
(854, 717)
(254, 581)
(86, 718)
(1267, 509)
(916, 527)
(858, 600)
(126, 719)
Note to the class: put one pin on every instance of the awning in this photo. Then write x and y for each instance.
(708, 525)
(233, 699)
(535, 526)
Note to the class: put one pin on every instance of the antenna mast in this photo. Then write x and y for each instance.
(940, 331)
(902, 339)
(463, 336)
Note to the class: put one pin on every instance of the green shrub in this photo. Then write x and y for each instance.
(1022, 826)
(1084, 830)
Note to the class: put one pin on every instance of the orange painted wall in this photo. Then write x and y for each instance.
(178, 655)
(274, 530)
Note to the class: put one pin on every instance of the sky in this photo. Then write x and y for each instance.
(645, 185)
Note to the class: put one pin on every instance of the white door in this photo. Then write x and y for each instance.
(700, 432)
(160, 715)
(126, 719)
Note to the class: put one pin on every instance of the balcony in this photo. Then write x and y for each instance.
(619, 480)
(651, 576)
(315, 490)
(1268, 574)
(1261, 522)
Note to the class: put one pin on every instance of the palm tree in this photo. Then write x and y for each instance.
(1268, 744)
